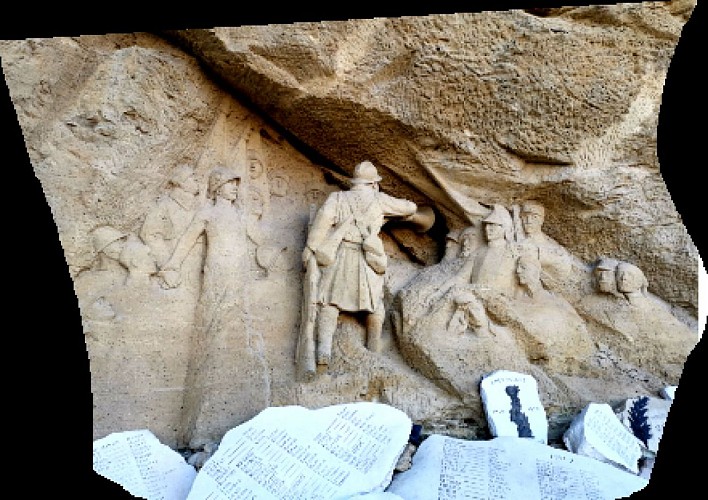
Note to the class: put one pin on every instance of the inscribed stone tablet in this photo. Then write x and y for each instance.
(142, 465)
(508, 468)
(291, 452)
(513, 407)
(597, 432)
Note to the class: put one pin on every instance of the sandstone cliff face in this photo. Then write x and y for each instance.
(487, 108)
(459, 112)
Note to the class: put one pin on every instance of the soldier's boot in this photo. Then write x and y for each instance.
(326, 326)
(374, 326)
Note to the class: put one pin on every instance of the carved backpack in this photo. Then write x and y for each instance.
(374, 252)
(372, 245)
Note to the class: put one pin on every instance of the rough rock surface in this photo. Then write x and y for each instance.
(436, 100)
(458, 112)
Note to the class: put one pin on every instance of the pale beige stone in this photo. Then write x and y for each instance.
(562, 107)
(343, 242)
(464, 113)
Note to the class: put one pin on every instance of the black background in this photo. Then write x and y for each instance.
(48, 408)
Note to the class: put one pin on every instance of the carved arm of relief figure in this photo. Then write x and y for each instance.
(170, 273)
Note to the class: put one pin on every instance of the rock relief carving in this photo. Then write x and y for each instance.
(605, 305)
(107, 271)
(220, 324)
(315, 196)
(167, 220)
(255, 165)
(279, 185)
(492, 265)
(186, 270)
(220, 221)
(432, 282)
(345, 264)
(495, 299)
(556, 262)
(140, 262)
(552, 332)
(519, 287)
(172, 213)
(267, 254)
(123, 309)
(641, 328)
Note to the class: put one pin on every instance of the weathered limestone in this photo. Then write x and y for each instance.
(531, 136)
(435, 101)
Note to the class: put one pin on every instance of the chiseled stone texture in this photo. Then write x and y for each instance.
(555, 104)
(456, 111)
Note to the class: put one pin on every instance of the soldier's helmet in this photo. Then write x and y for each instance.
(218, 177)
(104, 236)
(181, 174)
(499, 215)
(606, 264)
(365, 173)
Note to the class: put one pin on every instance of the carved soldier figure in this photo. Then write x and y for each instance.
(138, 259)
(528, 271)
(219, 221)
(92, 285)
(223, 344)
(469, 313)
(108, 243)
(604, 272)
(494, 264)
(553, 332)
(344, 243)
(607, 306)
(172, 213)
(555, 260)
(632, 284)
(455, 268)
(666, 340)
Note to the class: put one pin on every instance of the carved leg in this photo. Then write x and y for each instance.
(326, 326)
(374, 326)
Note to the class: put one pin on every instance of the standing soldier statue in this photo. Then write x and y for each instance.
(345, 263)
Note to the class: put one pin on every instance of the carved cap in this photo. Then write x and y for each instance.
(104, 236)
(499, 215)
(533, 207)
(606, 264)
(181, 174)
(220, 176)
(365, 173)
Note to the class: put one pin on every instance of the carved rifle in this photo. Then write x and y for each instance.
(306, 348)
(305, 351)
